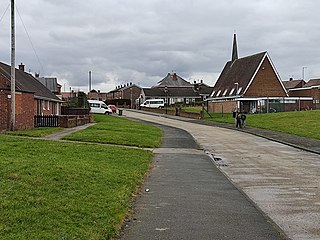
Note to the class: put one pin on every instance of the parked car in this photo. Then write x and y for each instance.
(113, 108)
(99, 107)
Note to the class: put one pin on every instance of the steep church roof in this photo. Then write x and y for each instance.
(238, 75)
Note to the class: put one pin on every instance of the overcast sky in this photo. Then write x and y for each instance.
(140, 41)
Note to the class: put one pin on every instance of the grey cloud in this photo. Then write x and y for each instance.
(142, 40)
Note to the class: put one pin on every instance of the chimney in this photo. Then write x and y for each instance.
(194, 82)
(174, 76)
(36, 75)
(201, 81)
(21, 67)
(290, 79)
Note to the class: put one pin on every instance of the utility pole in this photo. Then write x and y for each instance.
(13, 72)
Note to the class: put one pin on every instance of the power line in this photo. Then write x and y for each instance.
(34, 50)
(4, 12)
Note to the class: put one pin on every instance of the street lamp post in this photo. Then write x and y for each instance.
(166, 93)
(237, 89)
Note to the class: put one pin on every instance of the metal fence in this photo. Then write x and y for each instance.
(46, 121)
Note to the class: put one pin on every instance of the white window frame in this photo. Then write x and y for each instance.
(225, 92)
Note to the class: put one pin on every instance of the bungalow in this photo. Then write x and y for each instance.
(250, 84)
(32, 98)
(174, 89)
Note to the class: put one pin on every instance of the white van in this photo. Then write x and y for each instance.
(153, 103)
(99, 107)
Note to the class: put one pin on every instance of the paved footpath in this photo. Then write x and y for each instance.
(187, 197)
(284, 182)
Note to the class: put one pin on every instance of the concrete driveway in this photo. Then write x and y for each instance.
(282, 181)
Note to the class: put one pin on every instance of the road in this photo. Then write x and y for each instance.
(282, 181)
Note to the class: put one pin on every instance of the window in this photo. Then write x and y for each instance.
(225, 92)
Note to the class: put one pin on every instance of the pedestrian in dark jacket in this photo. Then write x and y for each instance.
(238, 120)
(243, 120)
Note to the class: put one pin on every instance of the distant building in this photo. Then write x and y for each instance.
(174, 89)
(124, 95)
(291, 83)
(97, 95)
(252, 84)
(310, 89)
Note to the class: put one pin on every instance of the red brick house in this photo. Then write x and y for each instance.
(97, 95)
(310, 89)
(292, 83)
(128, 91)
(32, 98)
(250, 84)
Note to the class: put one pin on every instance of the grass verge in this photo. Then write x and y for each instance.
(119, 131)
(59, 190)
(302, 123)
(36, 132)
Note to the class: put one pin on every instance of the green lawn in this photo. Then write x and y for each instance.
(62, 190)
(54, 190)
(302, 123)
(120, 131)
(36, 132)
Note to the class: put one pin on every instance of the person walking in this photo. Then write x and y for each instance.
(243, 119)
(238, 120)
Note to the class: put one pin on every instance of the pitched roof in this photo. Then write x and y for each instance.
(237, 74)
(50, 82)
(293, 84)
(25, 82)
(312, 82)
(172, 92)
(173, 80)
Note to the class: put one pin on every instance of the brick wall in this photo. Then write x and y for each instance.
(265, 83)
(43, 107)
(4, 110)
(24, 111)
(176, 112)
(132, 93)
(219, 107)
(314, 93)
